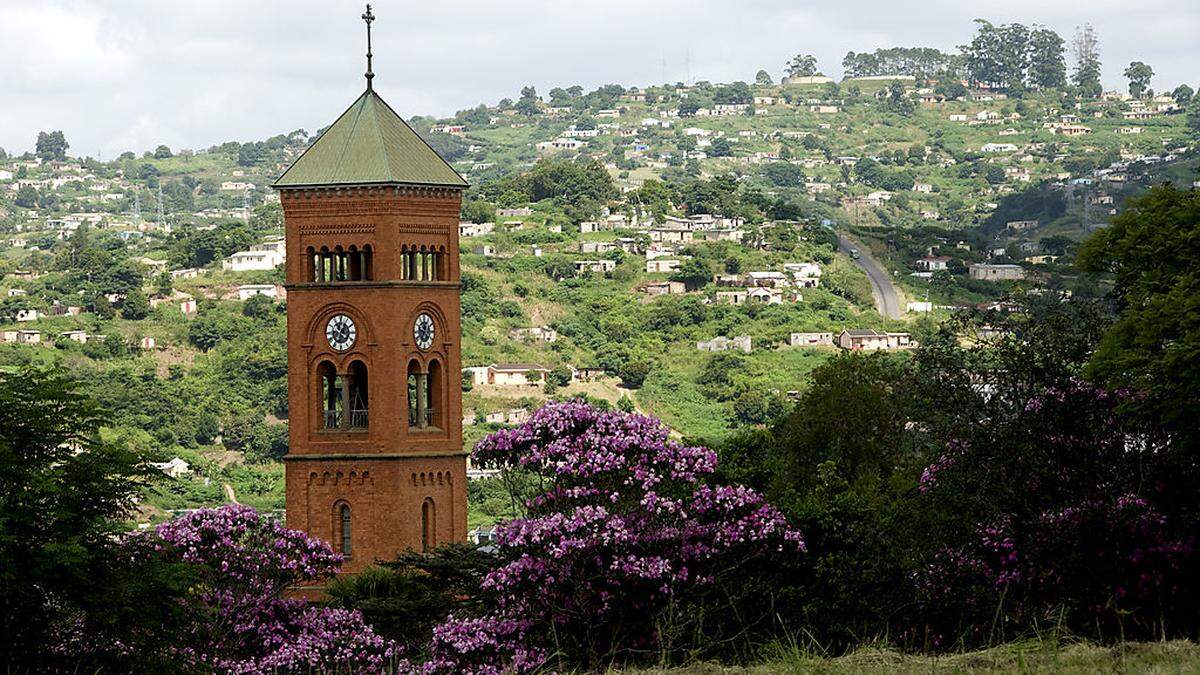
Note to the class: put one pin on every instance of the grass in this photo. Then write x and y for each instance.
(1035, 656)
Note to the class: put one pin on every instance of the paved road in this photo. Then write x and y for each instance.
(887, 298)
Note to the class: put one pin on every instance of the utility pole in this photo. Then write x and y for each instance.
(137, 207)
(246, 206)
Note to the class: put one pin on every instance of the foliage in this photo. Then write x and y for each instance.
(1151, 252)
(403, 599)
(625, 553)
(1139, 75)
(51, 145)
(72, 593)
(246, 564)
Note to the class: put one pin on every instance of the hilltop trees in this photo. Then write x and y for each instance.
(51, 145)
(528, 104)
(1014, 57)
(801, 65)
(1086, 47)
(762, 77)
(919, 62)
(1139, 75)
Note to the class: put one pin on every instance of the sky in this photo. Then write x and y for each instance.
(119, 75)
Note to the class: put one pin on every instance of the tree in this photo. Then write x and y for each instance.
(73, 593)
(1183, 94)
(246, 565)
(162, 152)
(625, 554)
(52, 145)
(694, 273)
(897, 101)
(802, 65)
(403, 599)
(27, 197)
(1139, 75)
(135, 306)
(784, 174)
(1150, 250)
(1086, 47)
(763, 78)
(1047, 64)
(528, 103)
(720, 147)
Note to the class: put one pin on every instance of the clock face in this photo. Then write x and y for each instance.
(423, 331)
(341, 332)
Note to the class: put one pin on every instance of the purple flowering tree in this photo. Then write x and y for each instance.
(622, 552)
(246, 565)
(1061, 526)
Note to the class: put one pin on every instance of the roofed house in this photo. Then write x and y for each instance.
(516, 374)
(997, 272)
(870, 339)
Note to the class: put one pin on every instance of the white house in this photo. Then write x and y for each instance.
(174, 468)
(247, 291)
(250, 261)
(661, 265)
(870, 339)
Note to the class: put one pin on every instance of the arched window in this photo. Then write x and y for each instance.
(359, 398)
(418, 396)
(434, 388)
(343, 530)
(428, 526)
(330, 400)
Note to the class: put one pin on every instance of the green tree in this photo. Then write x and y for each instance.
(763, 78)
(720, 147)
(162, 152)
(1139, 75)
(51, 145)
(694, 273)
(135, 306)
(802, 65)
(1047, 64)
(68, 583)
(1183, 94)
(27, 197)
(1152, 251)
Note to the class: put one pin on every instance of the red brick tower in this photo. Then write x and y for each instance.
(376, 463)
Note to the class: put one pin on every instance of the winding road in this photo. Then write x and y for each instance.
(887, 298)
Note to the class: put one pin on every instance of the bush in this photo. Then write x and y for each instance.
(625, 556)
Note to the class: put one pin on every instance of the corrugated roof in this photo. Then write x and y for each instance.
(369, 144)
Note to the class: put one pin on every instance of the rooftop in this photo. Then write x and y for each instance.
(369, 145)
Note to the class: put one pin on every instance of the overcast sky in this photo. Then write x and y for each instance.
(129, 74)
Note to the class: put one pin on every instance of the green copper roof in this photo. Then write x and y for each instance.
(368, 144)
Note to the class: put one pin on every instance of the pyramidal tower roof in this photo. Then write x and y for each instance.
(369, 145)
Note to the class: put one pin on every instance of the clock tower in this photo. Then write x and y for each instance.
(375, 463)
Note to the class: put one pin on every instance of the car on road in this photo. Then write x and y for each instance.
(855, 254)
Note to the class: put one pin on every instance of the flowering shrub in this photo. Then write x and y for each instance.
(1096, 563)
(1060, 532)
(618, 555)
(246, 565)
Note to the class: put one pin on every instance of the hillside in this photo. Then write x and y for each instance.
(624, 226)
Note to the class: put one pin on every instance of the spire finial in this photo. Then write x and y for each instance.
(368, 17)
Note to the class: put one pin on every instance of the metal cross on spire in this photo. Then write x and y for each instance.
(368, 17)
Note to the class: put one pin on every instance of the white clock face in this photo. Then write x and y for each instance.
(423, 331)
(341, 332)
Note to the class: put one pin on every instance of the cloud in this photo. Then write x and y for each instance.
(130, 74)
